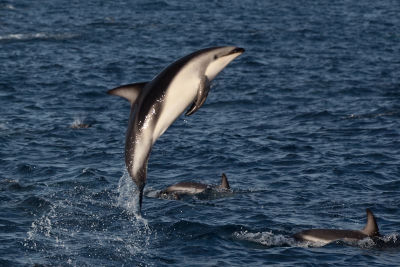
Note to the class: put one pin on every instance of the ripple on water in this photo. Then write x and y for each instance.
(304, 123)
(77, 221)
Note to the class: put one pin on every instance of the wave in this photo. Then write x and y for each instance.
(37, 36)
(7, 6)
(373, 115)
(79, 221)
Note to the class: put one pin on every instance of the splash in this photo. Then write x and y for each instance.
(265, 238)
(128, 200)
(128, 197)
(78, 124)
(83, 224)
(393, 237)
(386, 241)
(42, 230)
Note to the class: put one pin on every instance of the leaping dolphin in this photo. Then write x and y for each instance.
(193, 187)
(156, 104)
(330, 235)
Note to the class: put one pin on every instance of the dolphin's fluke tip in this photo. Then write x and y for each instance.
(140, 198)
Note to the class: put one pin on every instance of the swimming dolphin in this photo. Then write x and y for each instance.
(156, 104)
(193, 187)
(329, 235)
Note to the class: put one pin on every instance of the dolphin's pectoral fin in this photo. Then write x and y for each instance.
(202, 93)
(129, 91)
(192, 109)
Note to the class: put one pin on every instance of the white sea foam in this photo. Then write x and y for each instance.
(79, 124)
(392, 237)
(363, 243)
(264, 238)
(77, 121)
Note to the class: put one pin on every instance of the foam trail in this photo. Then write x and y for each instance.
(264, 238)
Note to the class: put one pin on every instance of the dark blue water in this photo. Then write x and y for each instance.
(305, 124)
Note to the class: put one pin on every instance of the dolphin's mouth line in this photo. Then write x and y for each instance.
(236, 50)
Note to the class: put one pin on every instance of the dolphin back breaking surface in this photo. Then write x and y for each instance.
(194, 187)
(156, 104)
(329, 235)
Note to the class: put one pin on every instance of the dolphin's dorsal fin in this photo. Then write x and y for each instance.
(371, 229)
(129, 91)
(224, 182)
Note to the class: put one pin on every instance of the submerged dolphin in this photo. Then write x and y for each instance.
(329, 235)
(156, 104)
(193, 187)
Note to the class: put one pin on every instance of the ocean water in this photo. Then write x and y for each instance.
(305, 124)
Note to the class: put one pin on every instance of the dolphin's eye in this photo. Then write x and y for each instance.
(215, 56)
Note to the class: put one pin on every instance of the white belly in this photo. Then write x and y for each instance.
(180, 94)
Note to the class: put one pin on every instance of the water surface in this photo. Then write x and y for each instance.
(305, 124)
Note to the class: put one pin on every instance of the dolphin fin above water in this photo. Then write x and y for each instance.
(156, 104)
(192, 188)
(330, 235)
(371, 228)
(224, 182)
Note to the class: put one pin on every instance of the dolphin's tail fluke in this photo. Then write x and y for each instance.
(139, 178)
(141, 189)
